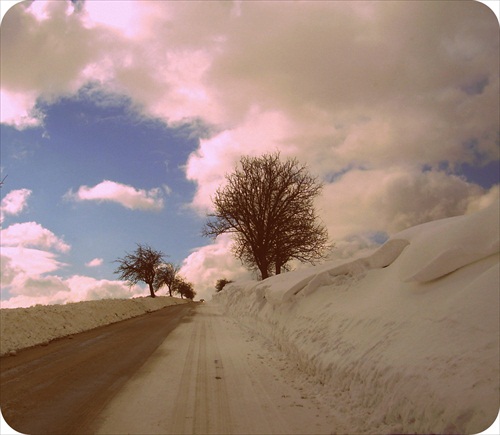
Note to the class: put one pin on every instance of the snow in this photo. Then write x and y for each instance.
(404, 340)
(26, 327)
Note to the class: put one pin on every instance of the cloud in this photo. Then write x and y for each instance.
(87, 288)
(34, 235)
(14, 203)
(28, 279)
(390, 200)
(372, 96)
(45, 287)
(128, 21)
(18, 109)
(127, 196)
(96, 262)
(260, 132)
(382, 79)
(25, 260)
(34, 262)
(51, 56)
(26, 290)
(389, 95)
(207, 264)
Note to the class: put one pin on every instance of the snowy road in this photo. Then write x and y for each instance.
(211, 376)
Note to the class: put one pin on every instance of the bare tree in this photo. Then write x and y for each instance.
(166, 275)
(184, 288)
(142, 265)
(268, 205)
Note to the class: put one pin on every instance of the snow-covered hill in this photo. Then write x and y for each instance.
(405, 340)
(25, 327)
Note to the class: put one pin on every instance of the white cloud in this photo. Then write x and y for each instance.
(207, 264)
(96, 262)
(33, 262)
(17, 109)
(260, 132)
(14, 203)
(127, 196)
(27, 287)
(28, 290)
(34, 235)
(26, 259)
(29, 267)
(87, 288)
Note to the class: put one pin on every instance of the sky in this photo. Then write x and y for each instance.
(120, 119)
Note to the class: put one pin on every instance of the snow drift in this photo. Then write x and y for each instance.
(405, 340)
(26, 327)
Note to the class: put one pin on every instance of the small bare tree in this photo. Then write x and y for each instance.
(166, 275)
(142, 265)
(268, 205)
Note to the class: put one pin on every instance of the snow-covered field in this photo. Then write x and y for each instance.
(403, 341)
(25, 327)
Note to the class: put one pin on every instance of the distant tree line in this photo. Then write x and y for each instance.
(148, 265)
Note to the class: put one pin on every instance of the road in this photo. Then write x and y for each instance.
(60, 388)
(208, 376)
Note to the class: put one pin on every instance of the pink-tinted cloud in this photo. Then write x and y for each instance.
(14, 203)
(127, 196)
(32, 234)
(33, 262)
(365, 93)
(27, 290)
(260, 132)
(390, 200)
(96, 262)
(207, 264)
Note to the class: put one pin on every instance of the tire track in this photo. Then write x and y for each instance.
(201, 400)
(217, 381)
(182, 421)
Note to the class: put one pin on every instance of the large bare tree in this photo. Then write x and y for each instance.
(268, 205)
(142, 265)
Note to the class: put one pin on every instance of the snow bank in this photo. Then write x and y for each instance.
(405, 340)
(26, 327)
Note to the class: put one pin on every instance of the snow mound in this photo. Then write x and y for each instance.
(26, 327)
(383, 257)
(405, 340)
(474, 238)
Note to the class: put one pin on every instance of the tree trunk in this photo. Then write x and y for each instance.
(264, 273)
(278, 267)
(151, 289)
